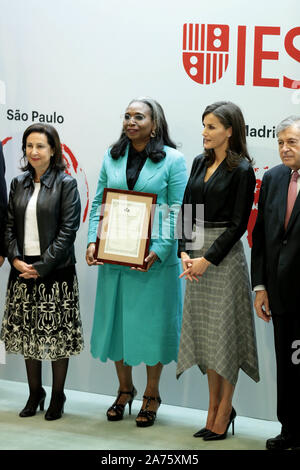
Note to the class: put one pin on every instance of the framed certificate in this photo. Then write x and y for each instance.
(125, 226)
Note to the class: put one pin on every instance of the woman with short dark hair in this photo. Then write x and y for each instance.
(138, 314)
(218, 325)
(41, 318)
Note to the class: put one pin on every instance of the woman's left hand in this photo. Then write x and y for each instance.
(29, 273)
(197, 268)
(151, 258)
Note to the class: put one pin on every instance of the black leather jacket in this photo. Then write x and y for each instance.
(3, 201)
(58, 219)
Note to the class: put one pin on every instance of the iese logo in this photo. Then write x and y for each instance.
(206, 53)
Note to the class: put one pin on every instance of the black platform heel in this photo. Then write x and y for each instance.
(34, 401)
(119, 408)
(212, 436)
(56, 408)
(148, 414)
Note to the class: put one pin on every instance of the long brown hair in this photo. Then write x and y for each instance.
(230, 115)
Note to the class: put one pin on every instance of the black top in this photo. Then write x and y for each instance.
(135, 162)
(227, 196)
(3, 201)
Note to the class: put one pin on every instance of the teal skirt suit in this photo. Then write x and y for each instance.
(138, 314)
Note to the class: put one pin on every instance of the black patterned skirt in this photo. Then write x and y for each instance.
(42, 318)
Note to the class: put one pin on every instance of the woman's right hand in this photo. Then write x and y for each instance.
(27, 270)
(185, 261)
(89, 256)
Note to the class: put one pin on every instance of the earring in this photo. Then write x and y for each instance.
(153, 134)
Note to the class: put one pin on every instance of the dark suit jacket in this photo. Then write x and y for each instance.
(275, 257)
(3, 201)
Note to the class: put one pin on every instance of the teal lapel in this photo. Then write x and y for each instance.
(149, 170)
(119, 180)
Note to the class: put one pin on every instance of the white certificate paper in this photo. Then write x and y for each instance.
(125, 225)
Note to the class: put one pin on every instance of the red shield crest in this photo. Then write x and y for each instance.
(205, 51)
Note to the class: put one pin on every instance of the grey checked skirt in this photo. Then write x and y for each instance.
(218, 330)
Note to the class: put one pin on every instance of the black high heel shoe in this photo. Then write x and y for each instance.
(34, 401)
(119, 408)
(148, 414)
(202, 432)
(56, 407)
(213, 436)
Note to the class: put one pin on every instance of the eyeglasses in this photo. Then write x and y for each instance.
(136, 118)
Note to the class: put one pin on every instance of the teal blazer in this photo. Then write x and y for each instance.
(167, 179)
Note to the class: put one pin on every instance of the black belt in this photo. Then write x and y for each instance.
(215, 224)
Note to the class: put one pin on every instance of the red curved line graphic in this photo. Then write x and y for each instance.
(87, 196)
(75, 166)
(4, 141)
(72, 157)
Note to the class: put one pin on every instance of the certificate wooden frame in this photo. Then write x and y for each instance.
(125, 226)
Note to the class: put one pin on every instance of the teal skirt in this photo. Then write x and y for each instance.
(137, 315)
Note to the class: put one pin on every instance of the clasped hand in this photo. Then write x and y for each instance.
(91, 261)
(27, 270)
(193, 268)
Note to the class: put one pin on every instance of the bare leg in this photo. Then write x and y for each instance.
(225, 407)
(152, 388)
(215, 396)
(124, 374)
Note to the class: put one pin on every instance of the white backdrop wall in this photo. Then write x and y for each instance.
(79, 63)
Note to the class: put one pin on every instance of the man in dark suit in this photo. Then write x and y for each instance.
(275, 270)
(3, 204)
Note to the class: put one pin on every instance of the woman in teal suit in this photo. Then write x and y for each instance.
(138, 313)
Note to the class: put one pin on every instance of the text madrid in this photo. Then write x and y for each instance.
(17, 115)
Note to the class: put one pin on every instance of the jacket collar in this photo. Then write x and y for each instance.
(47, 179)
(148, 171)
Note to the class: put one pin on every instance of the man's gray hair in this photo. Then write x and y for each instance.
(287, 122)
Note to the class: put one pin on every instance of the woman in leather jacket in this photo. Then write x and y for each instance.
(42, 319)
